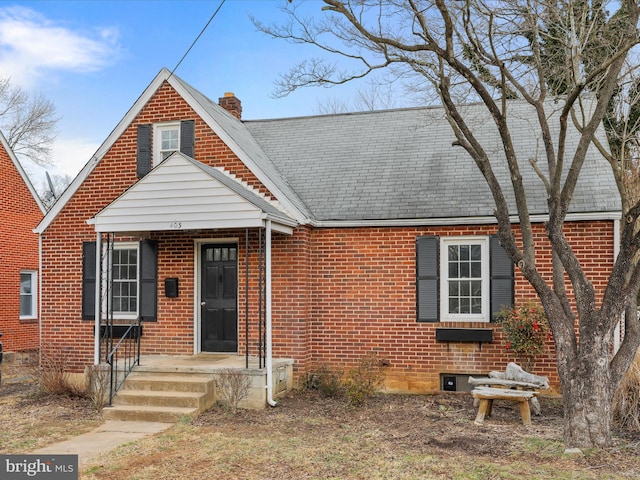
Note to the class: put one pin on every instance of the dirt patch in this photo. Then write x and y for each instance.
(393, 436)
(31, 419)
(311, 436)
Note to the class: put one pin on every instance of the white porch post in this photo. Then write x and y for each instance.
(96, 346)
(268, 333)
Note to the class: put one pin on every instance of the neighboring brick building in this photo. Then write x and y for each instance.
(20, 212)
(331, 229)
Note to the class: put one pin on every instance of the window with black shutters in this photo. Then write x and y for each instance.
(466, 278)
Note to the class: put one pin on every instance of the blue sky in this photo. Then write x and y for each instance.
(93, 59)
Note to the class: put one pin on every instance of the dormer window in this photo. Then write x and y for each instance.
(167, 138)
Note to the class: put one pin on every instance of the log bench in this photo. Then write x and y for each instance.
(487, 395)
(514, 385)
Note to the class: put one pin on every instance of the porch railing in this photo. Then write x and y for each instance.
(123, 357)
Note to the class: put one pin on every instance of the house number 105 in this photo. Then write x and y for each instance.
(175, 225)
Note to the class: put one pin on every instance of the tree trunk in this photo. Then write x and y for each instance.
(587, 401)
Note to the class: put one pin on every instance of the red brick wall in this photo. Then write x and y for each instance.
(19, 215)
(363, 300)
(63, 329)
(337, 293)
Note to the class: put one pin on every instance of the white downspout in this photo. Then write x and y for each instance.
(96, 343)
(39, 303)
(268, 333)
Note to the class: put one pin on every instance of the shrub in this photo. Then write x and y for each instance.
(99, 385)
(233, 386)
(326, 379)
(362, 381)
(54, 378)
(526, 330)
(356, 385)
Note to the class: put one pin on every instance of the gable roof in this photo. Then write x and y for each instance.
(25, 177)
(378, 168)
(184, 194)
(226, 126)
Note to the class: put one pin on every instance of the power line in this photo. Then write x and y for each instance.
(198, 37)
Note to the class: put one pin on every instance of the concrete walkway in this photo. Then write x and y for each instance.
(106, 437)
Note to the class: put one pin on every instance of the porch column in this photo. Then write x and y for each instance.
(269, 350)
(96, 346)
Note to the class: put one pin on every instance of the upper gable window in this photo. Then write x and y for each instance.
(156, 142)
(167, 140)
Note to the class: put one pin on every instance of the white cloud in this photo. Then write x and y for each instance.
(71, 154)
(31, 46)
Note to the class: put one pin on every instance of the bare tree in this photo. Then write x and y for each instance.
(375, 97)
(28, 122)
(570, 51)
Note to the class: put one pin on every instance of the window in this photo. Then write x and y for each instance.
(28, 294)
(464, 279)
(124, 268)
(155, 142)
(167, 141)
(134, 279)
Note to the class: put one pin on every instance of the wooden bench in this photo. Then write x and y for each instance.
(514, 385)
(487, 395)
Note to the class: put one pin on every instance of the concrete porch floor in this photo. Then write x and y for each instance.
(204, 363)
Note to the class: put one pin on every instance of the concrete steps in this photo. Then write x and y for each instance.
(162, 397)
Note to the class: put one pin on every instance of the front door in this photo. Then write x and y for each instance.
(219, 305)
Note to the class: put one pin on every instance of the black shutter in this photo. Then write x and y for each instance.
(89, 280)
(502, 277)
(427, 282)
(187, 136)
(148, 308)
(144, 151)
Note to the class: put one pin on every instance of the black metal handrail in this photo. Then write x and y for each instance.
(123, 357)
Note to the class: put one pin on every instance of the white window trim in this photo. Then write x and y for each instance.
(34, 294)
(108, 266)
(444, 280)
(157, 144)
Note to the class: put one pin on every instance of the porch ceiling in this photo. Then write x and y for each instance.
(184, 194)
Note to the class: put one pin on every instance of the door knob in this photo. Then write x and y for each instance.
(203, 304)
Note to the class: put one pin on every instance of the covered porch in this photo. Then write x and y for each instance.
(184, 200)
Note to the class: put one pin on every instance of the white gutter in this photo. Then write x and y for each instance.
(96, 343)
(448, 221)
(268, 333)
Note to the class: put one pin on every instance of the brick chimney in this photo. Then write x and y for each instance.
(231, 104)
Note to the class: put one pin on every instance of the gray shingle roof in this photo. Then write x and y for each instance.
(400, 164)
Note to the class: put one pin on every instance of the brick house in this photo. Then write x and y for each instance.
(318, 239)
(20, 212)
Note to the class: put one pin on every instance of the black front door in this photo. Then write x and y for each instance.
(219, 309)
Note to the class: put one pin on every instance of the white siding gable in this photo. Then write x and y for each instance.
(180, 194)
